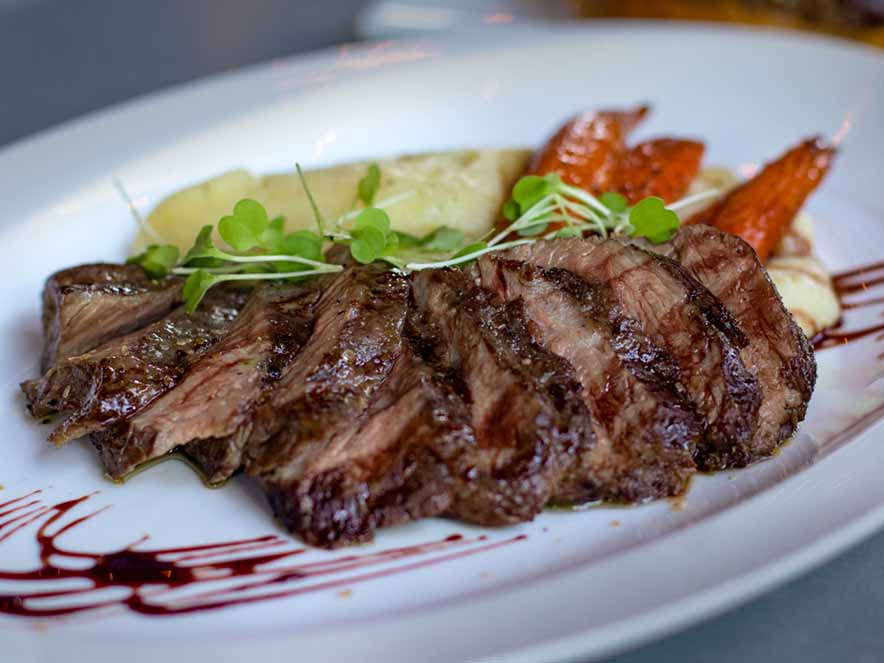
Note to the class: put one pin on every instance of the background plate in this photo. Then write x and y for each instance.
(579, 584)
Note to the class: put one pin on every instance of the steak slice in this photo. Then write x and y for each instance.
(526, 413)
(121, 376)
(87, 305)
(646, 429)
(778, 352)
(677, 314)
(207, 410)
(318, 399)
(382, 468)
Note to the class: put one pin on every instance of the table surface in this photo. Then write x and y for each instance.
(60, 59)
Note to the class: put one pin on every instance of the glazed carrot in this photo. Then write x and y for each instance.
(663, 167)
(761, 209)
(586, 151)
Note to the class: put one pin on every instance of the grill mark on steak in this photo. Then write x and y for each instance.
(209, 408)
(527, 417)
(388, 466)
(321, 397)
(645, 428)
(121, 376)
(778, 353)
(678, 315)
(87, 305)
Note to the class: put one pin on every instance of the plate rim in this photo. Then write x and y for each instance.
(699, 605)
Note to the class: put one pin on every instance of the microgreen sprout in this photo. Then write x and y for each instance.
(157, 260)
(260, 249)
(368, 186)
(320, 222)
(538, 201)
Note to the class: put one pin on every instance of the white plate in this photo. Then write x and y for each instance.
(578, 585)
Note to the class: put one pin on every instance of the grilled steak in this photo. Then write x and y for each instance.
(525, 408)
(564, 371)
(121, 376)
(677, 314)
(778, 353)
(645, 428)
(385, 467)
(211, 406)
(320, 397)
(87, 305)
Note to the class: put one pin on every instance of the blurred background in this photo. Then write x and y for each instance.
(63, 58)
(60, 59)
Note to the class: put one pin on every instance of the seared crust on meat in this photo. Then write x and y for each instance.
(527, 417)
(209, 411)
(678, 315)
(777, 351)
(87, 305)
(646, 428)
(118, 378)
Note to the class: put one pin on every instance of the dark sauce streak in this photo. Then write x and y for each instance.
(850, 282)
(218, 575)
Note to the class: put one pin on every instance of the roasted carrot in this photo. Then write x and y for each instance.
(761, 209)
(586, 151)
(663, 167)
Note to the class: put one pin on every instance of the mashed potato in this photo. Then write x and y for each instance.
(461, 189)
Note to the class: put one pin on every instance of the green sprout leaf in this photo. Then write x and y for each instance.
(613, 201)
(368, 244)
(203, 250)
(369, 184)
(301, 243)
(510, 210)
(195, 288)
(442, 238)
(371, 236)
(373, 217)
(472, 248)
(568, 232)
(272, 236)
(529, 190)
(392, 244)
(244, 229)
(157, 260)
(530, 231)
(650, 218)
(406, 241)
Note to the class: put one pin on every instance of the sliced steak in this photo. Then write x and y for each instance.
(212, 404)
(383, 468)
(121, 376)
(778, 352)
(87, 305)
(526, 413)
(646, 429)
(320, 397)
(677, 314)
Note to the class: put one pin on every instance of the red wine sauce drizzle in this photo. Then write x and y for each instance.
(853, 282)
(215, 575)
